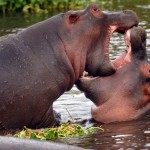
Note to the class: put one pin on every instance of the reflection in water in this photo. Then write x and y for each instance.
(125, 135)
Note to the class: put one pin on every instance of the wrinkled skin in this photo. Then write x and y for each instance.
(124, 95)
(40, 63)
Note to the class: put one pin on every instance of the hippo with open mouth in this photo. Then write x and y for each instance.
(124, 95)
(40, 63)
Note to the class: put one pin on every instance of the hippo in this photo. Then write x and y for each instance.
(12, 143)
(125, 95)
(41, 62)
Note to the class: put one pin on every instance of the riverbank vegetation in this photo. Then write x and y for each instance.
(43, 6)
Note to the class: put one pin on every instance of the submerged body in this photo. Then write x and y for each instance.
(124, 95)
(40, 63)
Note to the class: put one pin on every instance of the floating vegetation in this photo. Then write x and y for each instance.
(65, 130)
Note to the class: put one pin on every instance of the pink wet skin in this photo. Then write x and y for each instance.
(124, 95)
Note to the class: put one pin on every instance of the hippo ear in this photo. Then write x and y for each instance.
(73, 17)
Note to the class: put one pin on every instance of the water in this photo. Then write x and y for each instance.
(125, 135)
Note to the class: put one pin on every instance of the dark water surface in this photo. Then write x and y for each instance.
(126, 135)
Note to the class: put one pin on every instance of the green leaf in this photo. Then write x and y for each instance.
(22, 134)
(33, 136)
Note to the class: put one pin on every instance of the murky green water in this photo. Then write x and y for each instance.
(125, 135)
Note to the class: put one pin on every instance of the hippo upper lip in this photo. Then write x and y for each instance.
(123, 30)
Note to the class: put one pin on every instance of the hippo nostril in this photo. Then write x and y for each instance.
(125, 11)
(95, 9)
(149, 71)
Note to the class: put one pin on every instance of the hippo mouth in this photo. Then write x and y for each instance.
(118, 62)
(122, 60)
(107, 68)
(123, 30)
(125, 57)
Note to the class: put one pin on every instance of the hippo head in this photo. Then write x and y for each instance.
(125, 95)
(87, 34)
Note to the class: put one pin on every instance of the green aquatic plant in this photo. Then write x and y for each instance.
(63, 131)
(40, 6)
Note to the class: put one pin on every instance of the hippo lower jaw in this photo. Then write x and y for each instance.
(102, 113)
